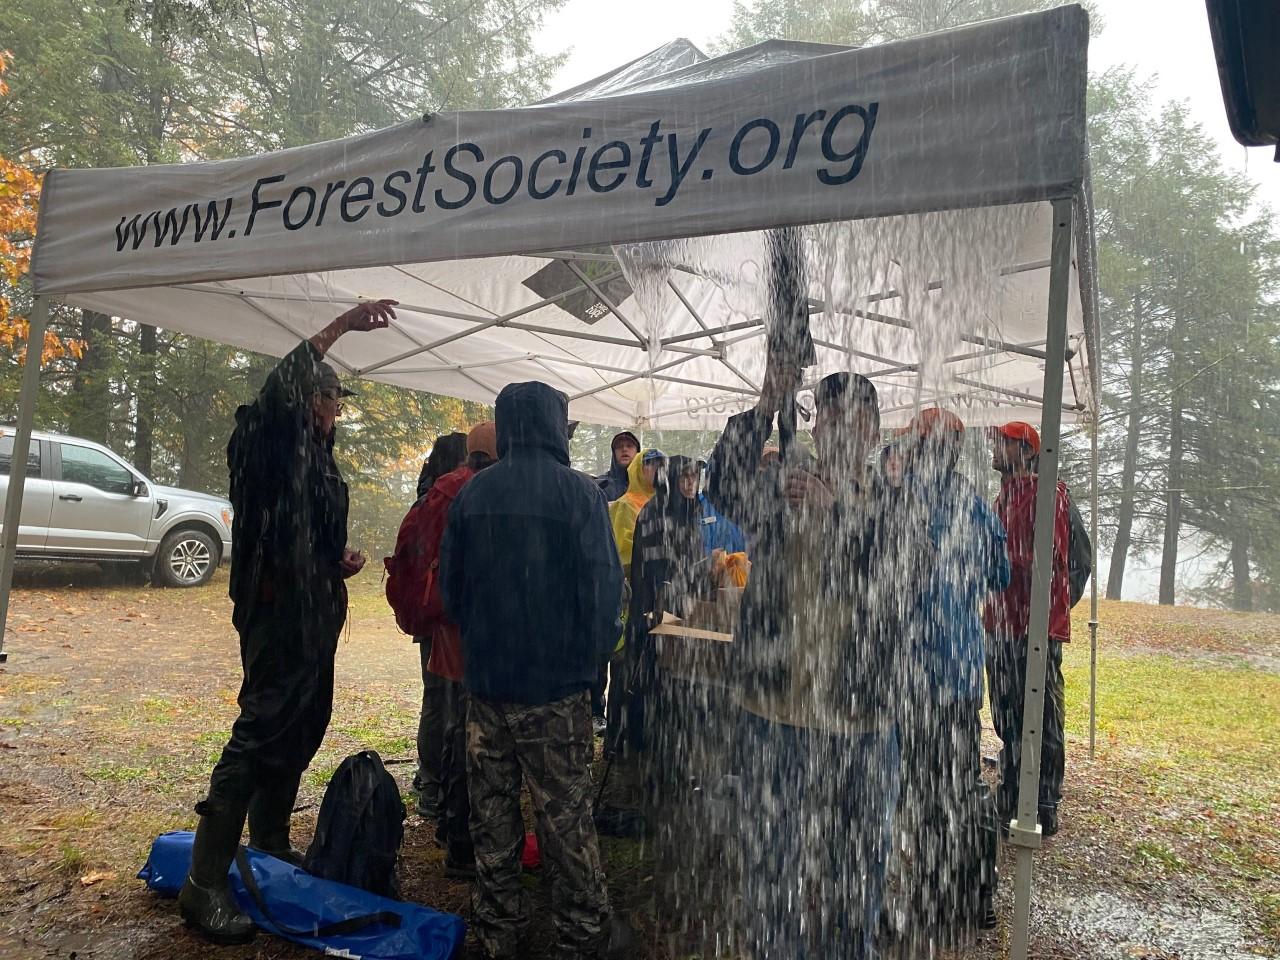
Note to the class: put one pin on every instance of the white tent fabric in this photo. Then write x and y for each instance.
(551, 242)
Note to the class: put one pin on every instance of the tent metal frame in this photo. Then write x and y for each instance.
(676, 343)
(1024, 832)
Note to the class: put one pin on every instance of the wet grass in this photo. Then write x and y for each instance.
(104, 745)
(1187, 777)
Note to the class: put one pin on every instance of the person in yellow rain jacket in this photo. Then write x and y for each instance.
(642, 474)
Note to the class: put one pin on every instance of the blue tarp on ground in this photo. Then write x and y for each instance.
(299, 901)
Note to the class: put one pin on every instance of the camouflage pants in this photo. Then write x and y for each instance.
(550, 745)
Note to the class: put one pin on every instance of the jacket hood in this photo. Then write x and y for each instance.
(637, 486)
(531, 416)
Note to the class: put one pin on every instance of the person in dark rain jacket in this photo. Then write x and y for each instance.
(530, 574)
(623, 448)
(666, 567)
(289, 558)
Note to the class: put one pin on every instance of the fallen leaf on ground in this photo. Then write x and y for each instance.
(89, 879)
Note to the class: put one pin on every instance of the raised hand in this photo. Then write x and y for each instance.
(780, 383)
(370, 315)
(804, 488)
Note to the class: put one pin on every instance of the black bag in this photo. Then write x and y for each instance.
(1079, 554)
(360, 828)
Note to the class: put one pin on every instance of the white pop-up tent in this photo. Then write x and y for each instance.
(612, 241)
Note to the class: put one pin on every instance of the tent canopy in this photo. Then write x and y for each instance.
(610, 240)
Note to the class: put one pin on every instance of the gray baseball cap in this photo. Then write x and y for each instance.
(330, 383)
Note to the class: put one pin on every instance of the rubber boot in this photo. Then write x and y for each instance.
(989, 827)
(620, 940)
(1048, 821)
(460, 862)
(205, 901)
(269, 813)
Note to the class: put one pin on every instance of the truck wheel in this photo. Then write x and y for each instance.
(187, 558)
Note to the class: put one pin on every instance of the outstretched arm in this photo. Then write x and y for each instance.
(736, 486)
(296, 377)
(370, 315)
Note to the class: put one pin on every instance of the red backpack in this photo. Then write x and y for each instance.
(412, 587)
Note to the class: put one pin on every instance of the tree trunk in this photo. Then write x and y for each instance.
(1128, 475)
(90, 410)
(1241, 577)
(187, 464)
(1173, 494)
(144, 426)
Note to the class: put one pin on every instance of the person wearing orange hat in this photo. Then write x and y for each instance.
(1015, 455)
(445, 662)
(955, 834)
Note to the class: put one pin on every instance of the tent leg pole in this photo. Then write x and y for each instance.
(1024, 831)
(18, 465)
(1093, 599)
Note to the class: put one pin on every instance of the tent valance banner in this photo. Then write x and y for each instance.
(611, 240)
(981, 115)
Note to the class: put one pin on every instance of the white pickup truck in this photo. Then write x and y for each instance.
(82, 502)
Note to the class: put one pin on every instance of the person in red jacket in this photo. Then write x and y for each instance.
(454, 829)
(1015, 454)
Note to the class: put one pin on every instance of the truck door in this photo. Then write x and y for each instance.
(96, 509)
(37, 495)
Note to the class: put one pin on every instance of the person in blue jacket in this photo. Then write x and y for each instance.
(956, 832)
(530, 574)
(718, 531)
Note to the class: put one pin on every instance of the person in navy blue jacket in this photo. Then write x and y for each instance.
(530, 574)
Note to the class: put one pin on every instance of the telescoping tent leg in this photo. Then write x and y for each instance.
(1093, 596)
(18, 465)
(1024, 831)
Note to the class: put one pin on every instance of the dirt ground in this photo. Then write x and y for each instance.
(117, 698)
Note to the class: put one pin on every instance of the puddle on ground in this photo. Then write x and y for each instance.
(1120, 929)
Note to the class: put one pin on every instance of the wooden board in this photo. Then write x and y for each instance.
(692, 653)
(673, 626)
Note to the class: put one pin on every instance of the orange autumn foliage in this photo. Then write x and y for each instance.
(19, 202)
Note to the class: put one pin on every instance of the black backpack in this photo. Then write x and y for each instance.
(1079, 554)
(360, 827)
